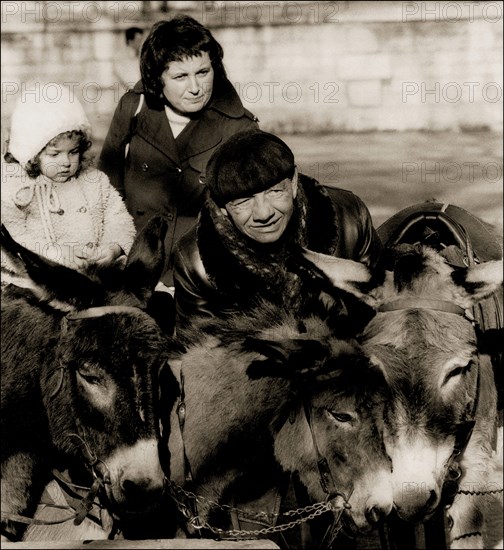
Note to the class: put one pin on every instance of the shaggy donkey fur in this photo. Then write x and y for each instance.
(79, 383)
(438, 374)
(246, 382)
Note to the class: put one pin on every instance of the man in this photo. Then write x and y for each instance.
(127, 67)
(259, 210)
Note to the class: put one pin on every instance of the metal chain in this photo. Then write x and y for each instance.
(478, 493)
(252, 515)
(212, 503)
(465, 492)
(236, 533)
(313, 511)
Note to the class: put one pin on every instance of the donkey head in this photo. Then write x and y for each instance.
(99, 378)
(423, 340)
(333, 418)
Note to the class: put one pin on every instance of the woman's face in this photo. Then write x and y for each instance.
(188, 84)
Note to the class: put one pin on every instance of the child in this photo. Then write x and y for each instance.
(53, 202)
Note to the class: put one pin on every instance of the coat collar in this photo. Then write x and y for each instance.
(201, 134)
(234, 273)
(226, 101)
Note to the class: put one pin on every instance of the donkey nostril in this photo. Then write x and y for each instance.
(129, 487)
(141, 491)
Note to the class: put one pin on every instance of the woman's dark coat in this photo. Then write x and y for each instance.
(162, 175)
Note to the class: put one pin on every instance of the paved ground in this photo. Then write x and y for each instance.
(392, 170)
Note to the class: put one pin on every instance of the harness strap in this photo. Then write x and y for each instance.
(181, 413)
(462, 437)
(86, 504)
(79, 507)
(191, 506)
(326, 478)
(424, 303)
(94, 510)
(17, 518)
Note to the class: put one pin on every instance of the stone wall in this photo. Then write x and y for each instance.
(299, 66)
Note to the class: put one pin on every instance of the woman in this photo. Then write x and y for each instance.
(166, 128)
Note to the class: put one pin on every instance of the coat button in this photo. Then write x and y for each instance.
(145, 167)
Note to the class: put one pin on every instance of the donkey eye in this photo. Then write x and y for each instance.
(340, 416)
(457, 371)
(89, 376)
(90, 379)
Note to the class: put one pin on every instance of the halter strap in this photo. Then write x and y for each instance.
(326, 478)
(424, 303)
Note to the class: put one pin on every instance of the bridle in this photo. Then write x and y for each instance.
(90, 457)
(326, 481)
(186, 501)
(465, 427)
(425, 303)
(98, 467)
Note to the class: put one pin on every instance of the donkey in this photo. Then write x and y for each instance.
(80, 360)
(269, 393)
(440, 422)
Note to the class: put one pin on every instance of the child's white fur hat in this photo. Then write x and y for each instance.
(37, 119)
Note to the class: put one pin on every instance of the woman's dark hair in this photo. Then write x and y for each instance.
(175, 40)
(32, 167)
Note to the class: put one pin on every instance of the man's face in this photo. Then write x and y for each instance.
(264, 216)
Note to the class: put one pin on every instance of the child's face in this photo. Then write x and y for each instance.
(59, 161)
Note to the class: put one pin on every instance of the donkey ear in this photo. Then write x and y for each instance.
(275, 361)
(276, 351)
(146, 259)
(479, 281)
(49, 281)
(287, 350)
(284, 358)
(261, 368)
(344, 274)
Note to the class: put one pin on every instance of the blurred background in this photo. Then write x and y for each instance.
(399, 102)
